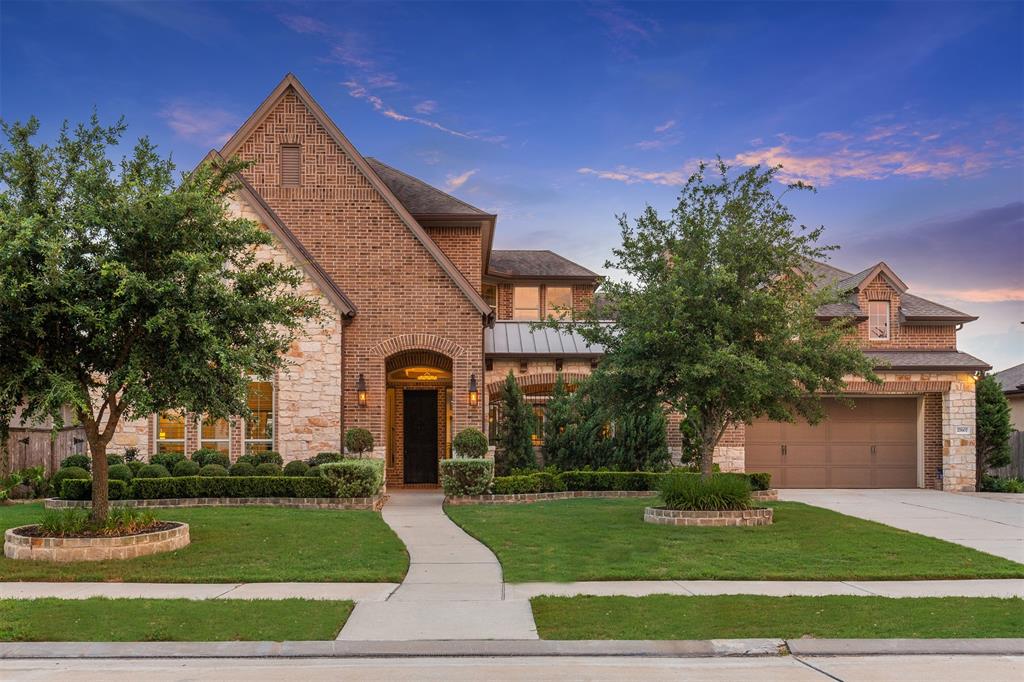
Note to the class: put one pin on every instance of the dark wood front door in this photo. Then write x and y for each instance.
(419, 436)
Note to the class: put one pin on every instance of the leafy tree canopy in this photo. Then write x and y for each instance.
(124, 292)
(716, 314)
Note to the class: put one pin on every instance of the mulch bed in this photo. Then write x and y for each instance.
(38, 532)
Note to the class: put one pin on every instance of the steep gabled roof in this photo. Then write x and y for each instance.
(538, 264)
(418, 196)
(1011, 379)
(856, 282)
(292, 83)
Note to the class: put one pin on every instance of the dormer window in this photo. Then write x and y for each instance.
(878, 320)
(291, 165)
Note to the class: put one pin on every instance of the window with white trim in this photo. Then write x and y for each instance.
(170, 432)
(878, 320)
(259, 426)
(526, 303)
(214, 434)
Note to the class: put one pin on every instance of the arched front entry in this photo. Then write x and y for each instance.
(418, 416)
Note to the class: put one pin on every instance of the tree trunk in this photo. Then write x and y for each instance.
(100, 501)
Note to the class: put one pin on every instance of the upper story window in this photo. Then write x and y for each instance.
(259, 427)
(526, 303)
(558, 302)
(490, 294)
(170, 434)
(878, 320)
(291, 165)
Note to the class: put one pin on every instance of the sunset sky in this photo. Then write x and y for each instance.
(908, 118)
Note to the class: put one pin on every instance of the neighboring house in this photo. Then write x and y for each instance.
(426, 320)
(1012, 381)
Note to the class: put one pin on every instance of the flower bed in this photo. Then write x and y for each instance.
(523, 498)
(758, 516)
(22, 543)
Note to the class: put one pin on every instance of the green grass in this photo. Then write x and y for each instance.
(241, 544)
(595, 539)
(742, 616)
(170, 620)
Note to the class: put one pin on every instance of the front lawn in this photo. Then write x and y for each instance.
(241, 544)
(170, 620)
(600, 539)
(744, 616)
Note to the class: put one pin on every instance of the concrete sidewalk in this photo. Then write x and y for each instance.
(454, 587)
(419, 589)
(992, 525)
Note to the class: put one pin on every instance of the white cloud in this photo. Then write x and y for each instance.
(453, 182)
(196, 123)
(671, 123)
(427, 106)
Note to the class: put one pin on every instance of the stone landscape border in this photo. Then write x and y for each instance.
(524, 498)
(60, 550)
(758, 516)
(374, 503)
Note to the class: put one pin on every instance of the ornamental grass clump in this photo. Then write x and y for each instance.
(691, 492)
(76, 522)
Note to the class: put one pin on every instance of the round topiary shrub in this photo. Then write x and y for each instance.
(114, 458)
(313, 471)
(185, 468)
(213, 471)
(267, 469)
(470, 444)
(243, 469)
(205, 456)
(167, 459)
(296, 468)
(153, 471)
(136, 466)
(80, 461)
(66, 473)
(358, 441)
(120, 472)
(325, 458)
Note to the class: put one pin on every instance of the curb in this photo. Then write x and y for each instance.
(501, 648)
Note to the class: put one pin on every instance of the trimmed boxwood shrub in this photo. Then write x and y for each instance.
(81, 489)
(185, 468)
(719, 493)
(241, 468)
(204, 456)
(313, 471)
(232, 486)
(80, 461)
(268, 469)
(760, 480)
(296, 468)
(470, 443)
(153, 471)
(325, 458)
(113, 458)
(515, 485)
(355, 477)
(257, 458)
(120, 472)
(466, 476)
(358, 440)
(167, 459)
(610, 480)
(213, 471)
(65, 473)
(135, 465)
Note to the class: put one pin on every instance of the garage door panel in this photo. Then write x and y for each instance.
(760, 456)
(805, 455)
(802, 432)
(805, 477)
(896, 409)
(896, 432)
(850, 454)
(904, 455)
(897, 477)
(850, 477)
(850, 432)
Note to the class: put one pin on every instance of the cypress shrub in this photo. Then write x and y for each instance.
(516, 426)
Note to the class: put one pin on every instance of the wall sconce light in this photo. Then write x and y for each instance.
(474, 394)
(361, 390)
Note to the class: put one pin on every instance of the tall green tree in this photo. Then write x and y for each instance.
(124, 292)
(558, 426)
(641, 441)
(517, 424)
(992, 423)
(715, 316)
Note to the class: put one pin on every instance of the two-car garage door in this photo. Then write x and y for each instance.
(872, 445)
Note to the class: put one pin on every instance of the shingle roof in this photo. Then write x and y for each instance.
(516, 338)
(419, 197)
(912, 307)
(1011, 379)
(535, 263)
(926, 359)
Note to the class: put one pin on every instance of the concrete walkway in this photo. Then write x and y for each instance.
(995, 526)
(454, 587)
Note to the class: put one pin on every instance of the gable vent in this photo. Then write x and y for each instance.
(291, 164)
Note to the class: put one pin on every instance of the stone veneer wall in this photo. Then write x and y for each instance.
(958, 449)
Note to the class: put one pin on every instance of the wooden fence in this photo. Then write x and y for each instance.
(35, 447)
(1015, 468)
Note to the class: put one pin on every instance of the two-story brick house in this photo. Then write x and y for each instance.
(425, 319)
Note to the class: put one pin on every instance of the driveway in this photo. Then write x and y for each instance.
(995, 526)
